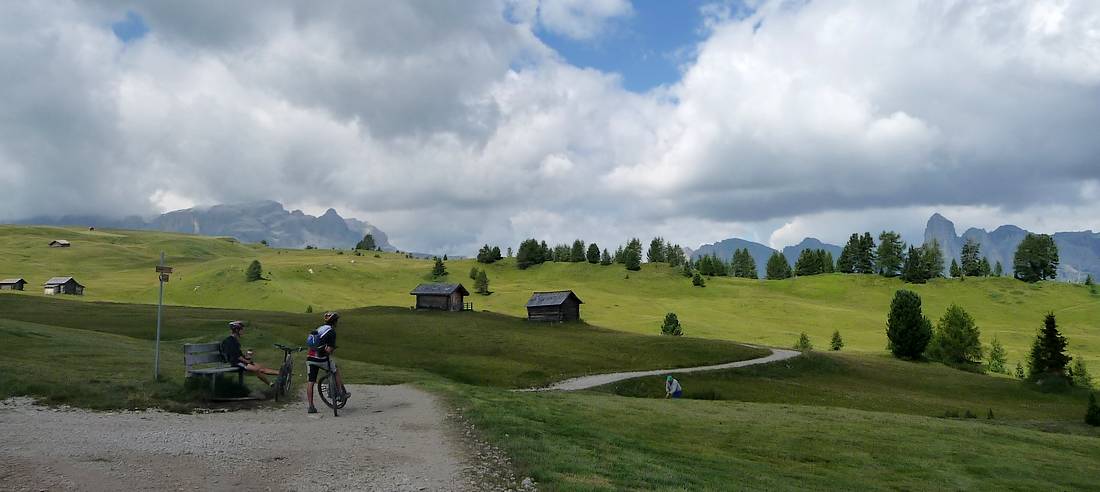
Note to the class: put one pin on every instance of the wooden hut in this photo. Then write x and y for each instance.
(63, 285)
(59, 243)
(12, 284)
(445, 297)
(562, 305)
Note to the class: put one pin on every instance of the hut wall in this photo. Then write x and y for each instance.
(571, 310)
(456, 301)
(544, 313)
(424, 301)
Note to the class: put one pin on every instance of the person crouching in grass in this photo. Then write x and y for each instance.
(672, 388)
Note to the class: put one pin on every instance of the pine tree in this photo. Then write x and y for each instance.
(473, 273)
(932, 259)
(444, 257)
(984, 269)
(482, 283)
(778, 268)
(309, 309)
(620, 255)
(957, 340)
(1048, 353)
(509, 251)
(998, 358)
(671, 326)
(956, 272)
(891, 251)
(971, 259)
(1088, 280)
(656, 253)
(803, 344)
(697, 280)
(439, 269)
(593, 255)
(865, 255)
(826, 261)
(367, 243)
(1036, 258)
(1079, 374)
(913, 271)
(687, 271)
(496, 254)
(605, 258)
(836, 343)
(485, 254)
(254, 272)
(1092, 412)
(576, 254)
(1019, 372)
(529, 253)
(674, 255)
(848, 256)
(907, 329)
(633, 253)
(998, 270)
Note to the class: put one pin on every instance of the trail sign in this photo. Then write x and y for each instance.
(164, 277)
(164, 269)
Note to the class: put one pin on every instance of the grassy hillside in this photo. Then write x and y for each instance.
(117, 266)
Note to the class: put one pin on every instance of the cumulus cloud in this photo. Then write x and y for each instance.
(452, 124)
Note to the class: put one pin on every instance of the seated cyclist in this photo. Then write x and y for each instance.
(231, 350)
(320, 357)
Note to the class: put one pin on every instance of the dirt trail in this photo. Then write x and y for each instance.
(587, 382)
(387, 438)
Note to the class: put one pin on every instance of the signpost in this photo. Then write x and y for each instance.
(164, 271)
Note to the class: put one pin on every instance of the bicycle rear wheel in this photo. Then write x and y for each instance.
(287, 373)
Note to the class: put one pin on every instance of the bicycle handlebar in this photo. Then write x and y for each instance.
(284, 348)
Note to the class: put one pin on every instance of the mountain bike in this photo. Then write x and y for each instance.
(332, 396)
(286, 372)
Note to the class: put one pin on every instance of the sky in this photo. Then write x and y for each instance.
(451, 124)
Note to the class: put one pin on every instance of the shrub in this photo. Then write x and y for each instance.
(473, 273)
(836, 343)
(697, 280)
(671, 326)
(482, 283)
(907, 329)
(957, 339)
(1019, 372)
(989, 416)
(1092, 413)
(309, 309)
(803, 343)
(254, 272)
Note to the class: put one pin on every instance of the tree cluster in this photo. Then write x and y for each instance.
(661, 251)
(957, 340)
(858, 255)
(489, 255)
(778, 268)
(711, 266)
(367, 243)
(743, 265)
(813, 262)
(923, 264)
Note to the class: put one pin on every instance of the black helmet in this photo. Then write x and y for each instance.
(331, 317)
(236, 326)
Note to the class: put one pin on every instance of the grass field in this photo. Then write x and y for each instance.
(117, 266)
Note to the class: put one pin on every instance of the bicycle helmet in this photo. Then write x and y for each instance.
(331, 317)
(236, 326)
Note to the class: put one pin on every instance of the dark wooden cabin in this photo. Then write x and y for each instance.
(444, 297)
(561, 305)
(63, 285)
(12, 284)
(60, 243)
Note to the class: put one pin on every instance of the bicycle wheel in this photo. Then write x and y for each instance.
(334, 395)
(324, 386)
(287, 378)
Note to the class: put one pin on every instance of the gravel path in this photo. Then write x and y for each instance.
(391, 438)
(587, 382)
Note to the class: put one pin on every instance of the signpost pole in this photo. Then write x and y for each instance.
(160, 308)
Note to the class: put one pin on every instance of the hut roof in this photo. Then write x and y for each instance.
(10, 281)
(555, 298)
(59, 241)
(439, 289)
(61, 281)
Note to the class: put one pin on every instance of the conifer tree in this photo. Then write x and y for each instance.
(687, 271)
(656, 253)
(1092, 412)
(836, 343)
(998, 357)
(1048, 353)
(509, 251)
(848, 256)
(956, 272)
(671, 326)
(633, 254)
(254, 272)
(593, 255)
(826, 261)
(605, 258)
(576, 254)
(1079, 373)
(807, 263)
(1019, 372)
(367, 243)
(957, 340)
(984, 270)
(907, 329)
(803, 344)
(496, 253)
(998, 269)
(473, 273)
(912, 271)
(439, 269)
(891, 252)
(697, 280)
(674, 255)
(482, 283)
(932, 259)
(1088, 280)
(970, 264)
(529, 253)
(1036, 258)
(778, 268)
(865, 255)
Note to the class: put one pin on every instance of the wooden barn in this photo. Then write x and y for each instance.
(561, 305)
(59, 243)
(445, 297)
(12, 284)
(64, 285)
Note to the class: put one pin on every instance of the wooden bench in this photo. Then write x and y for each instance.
(209, 356)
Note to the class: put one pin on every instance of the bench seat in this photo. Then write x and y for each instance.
(210, 357)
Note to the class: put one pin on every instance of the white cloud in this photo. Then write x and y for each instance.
(580, 19)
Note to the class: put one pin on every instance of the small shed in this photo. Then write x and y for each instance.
(60, 243)
(562, 305)
(63, 285)
(445, 297)
(12, 284)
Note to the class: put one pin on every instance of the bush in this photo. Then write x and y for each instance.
(697, 280)
(473, 273)
(836, 343)
(309, 309)
(671, 326)
(1019, 372)
(254, 272)
(907, 329)
(957, 339)
(803, 344)
(1092, 413)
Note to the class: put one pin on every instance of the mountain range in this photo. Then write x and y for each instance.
(248, 222)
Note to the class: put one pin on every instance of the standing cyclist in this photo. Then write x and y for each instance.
(320, 357)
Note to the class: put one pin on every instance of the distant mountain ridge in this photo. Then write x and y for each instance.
(1078, 252)
(248, 222)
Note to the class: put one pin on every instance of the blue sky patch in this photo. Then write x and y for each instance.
(131, 28)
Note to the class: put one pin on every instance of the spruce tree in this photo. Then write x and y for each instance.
(998, 269)
(529, 253)
(254, 272)
(656, 253)
(826, 261)
(957, 340)
(984, 269)
(674, 254)
(807, 263)
(913, 270)
(907, 329)
(997, 362)
(605, 258)
(1036, 258)
(891, 251)
(439, 269)
(496, 253)
(932, 259)
(1019, 372)
(473, 273)
(956, 272)
(848, 256)
(803, 344)
(593, 255)
(778, 268)
(971, 259)
(633, 255)
(1048, 352)
(865, 255)
(1079, 373)
(687, 271)
(620, 255)
(1088, 280)
(577, 253)
(836, 343)
(1092, 412)
(482, 283)
(671, 326)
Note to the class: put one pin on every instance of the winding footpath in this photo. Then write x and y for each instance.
(588, 382)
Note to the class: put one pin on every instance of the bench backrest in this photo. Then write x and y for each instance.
(202, 353)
